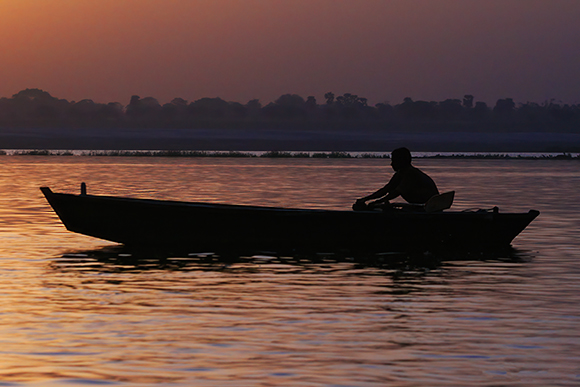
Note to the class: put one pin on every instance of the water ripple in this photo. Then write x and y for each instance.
(76, 311)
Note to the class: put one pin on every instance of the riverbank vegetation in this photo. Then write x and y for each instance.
(36, 108)
(279, 154)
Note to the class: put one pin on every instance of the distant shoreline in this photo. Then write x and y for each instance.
(288, 154)
(298, 140)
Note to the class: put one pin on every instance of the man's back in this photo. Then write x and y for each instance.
(414, 185)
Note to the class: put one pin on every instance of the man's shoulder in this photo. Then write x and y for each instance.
(410, 170)
(415, 174)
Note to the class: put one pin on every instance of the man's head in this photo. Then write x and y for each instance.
(400, 158)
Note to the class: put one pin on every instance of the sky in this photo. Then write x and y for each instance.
(383, 50)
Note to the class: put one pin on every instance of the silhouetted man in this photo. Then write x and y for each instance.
(409, 182)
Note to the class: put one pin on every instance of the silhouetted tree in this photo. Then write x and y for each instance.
(311, 107)
(310, 103)
(175, 112)
(83, 111)
(450, 109)
(236, 110)
(405, 109)
(290, 101)
(560, 113)
(410, 109)
(287, 106)
(150, 104)
(480, 111)
(209, 108)
(531, 112)
(384, 110)
(33, 95)
(329, 98)
(134, 107)
(468, 101)
(254, 108)
(144, 111)
(36, 107)
(352, 106)
(111, 113)
(504, 108)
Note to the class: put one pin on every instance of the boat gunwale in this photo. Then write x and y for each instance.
(176, 203)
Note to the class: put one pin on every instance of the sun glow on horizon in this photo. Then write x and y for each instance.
(109, 50)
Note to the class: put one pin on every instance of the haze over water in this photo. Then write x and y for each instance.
(76, 312)
(240, 50)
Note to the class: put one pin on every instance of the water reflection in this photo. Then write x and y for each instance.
(78, 311)
(121, 259)
(259, 318)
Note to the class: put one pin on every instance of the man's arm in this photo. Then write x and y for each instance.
(391, 195)
(375, 195)
(389, 191)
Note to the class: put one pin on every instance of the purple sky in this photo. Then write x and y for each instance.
(383, 50)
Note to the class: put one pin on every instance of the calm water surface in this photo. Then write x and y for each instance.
(74, 311)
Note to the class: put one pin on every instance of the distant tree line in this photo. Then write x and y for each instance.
(37, 108)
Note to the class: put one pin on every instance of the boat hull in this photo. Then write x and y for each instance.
(146, 223)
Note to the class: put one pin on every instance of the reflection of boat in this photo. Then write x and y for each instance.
(139, 223)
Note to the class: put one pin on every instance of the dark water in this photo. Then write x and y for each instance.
(73, 313)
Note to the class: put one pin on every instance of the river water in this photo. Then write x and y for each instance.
(77, 311)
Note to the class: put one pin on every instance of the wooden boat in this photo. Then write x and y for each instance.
(198, 227)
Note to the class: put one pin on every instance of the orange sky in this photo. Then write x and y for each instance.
(385, 50)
